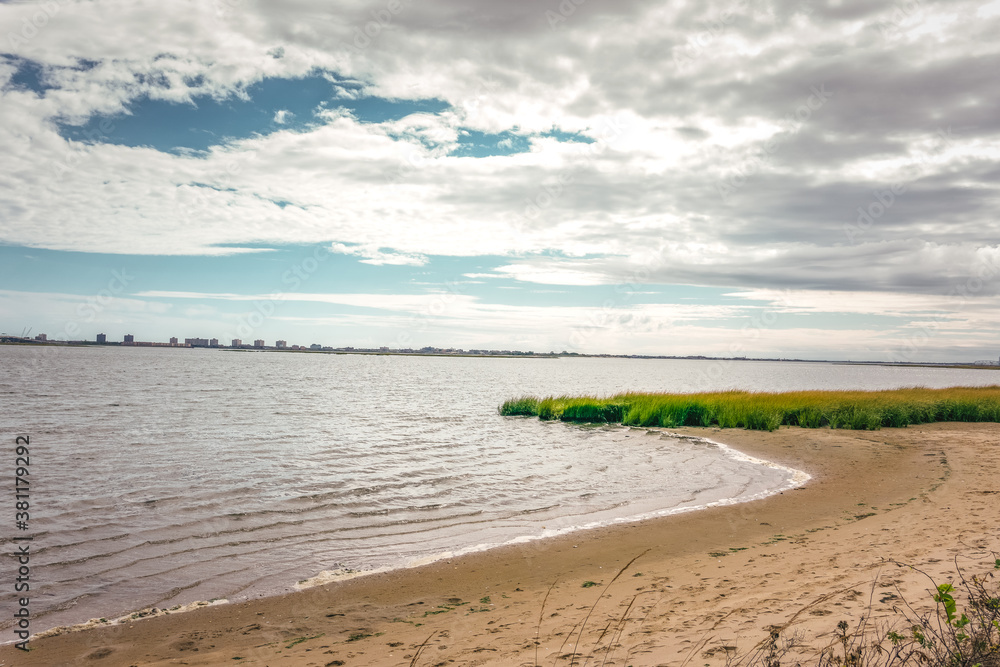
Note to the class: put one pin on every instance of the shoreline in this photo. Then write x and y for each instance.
(514, 354)
(794, 478)
(700, 580)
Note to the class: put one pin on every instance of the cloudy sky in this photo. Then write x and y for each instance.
(811, 179)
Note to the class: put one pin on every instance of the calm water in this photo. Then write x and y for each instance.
(163, 477)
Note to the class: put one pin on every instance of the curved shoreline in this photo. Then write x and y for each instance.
(898, 493)
(795, 479)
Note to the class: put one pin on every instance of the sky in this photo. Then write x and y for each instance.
(814, 179)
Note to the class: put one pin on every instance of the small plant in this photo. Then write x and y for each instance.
(945, 637)
(526, 406)
(588, 584)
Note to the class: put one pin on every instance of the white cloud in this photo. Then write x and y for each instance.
(552, 274)
(399, 302)
(989, 9)
(900, 305)
(373, 255)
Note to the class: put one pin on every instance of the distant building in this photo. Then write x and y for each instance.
(173, 340)
(41, 337)
(281, 344)
(129, 339)
(237, 343)
(259, 342)
(102, 339)
(214, 342)
(315, 346)
(196, 342)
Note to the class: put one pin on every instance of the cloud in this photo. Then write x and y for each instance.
(743, 145)
(373, 255)
(397, 302)
(74, 316)
(282, 116)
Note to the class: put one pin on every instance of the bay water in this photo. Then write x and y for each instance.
(164, 477)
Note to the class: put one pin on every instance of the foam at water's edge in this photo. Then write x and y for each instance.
(340, 574)
(149, 612)
(796, 479)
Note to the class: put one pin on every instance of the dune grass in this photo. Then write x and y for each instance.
(863, 410)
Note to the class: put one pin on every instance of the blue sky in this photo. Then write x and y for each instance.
(786, 180)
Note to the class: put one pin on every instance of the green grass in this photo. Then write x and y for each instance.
(865, 410)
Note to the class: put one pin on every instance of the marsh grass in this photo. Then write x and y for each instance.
(864, 410)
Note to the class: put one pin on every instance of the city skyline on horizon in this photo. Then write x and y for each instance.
(128, 340)
(260, 343)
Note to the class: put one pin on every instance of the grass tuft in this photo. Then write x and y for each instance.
(948, 636)
(858, 410)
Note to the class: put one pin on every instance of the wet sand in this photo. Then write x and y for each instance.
(684, 589)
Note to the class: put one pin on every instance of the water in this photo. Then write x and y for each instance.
(163, 476)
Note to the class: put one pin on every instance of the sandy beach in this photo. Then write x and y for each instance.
(686, 589)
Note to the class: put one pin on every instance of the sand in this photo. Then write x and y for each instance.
(686, 589)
